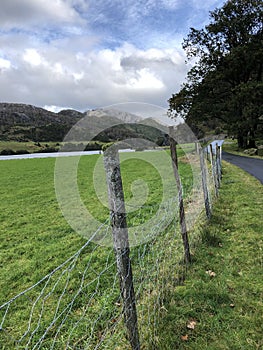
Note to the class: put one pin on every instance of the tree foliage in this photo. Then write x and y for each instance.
(224, 86)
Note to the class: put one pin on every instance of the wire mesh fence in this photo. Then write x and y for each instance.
(79, 305)
(62, 305)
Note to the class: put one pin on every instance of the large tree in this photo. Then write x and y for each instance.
(224, 86)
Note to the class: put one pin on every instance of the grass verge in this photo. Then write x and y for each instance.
(219, 305)
(231, 146)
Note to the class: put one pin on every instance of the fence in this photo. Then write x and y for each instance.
(103, 298)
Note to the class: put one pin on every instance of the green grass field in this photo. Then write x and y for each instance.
(36, 238)
(225, 309)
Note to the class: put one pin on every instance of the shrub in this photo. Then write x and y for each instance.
(22, 151)
(7, 152)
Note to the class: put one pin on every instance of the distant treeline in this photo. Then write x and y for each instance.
(66, 147)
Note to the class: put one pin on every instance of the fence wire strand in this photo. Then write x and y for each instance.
(51, 302)
(78, 305)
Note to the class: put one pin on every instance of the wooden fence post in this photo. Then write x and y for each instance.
(218, 164)
(196, 146)
(187, 255)
(121, 243)
(214, 172)
(220, 161)
(204, 184)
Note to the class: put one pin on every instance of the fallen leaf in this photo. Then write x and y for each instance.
(211, 273)
(191, 324)
(232, 305)
(184, 337)
(163, 308)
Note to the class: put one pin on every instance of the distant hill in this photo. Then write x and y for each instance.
(22, 122)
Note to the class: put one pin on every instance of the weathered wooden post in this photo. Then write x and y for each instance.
(220, 161)
(213, 165)
(187, 255)
(196, 147)
(207, 153)
(121, 243)
(218, 164)
(204, 185)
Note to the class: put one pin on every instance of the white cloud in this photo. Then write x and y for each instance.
(24, 13)
(60, 77)
(32, 57)
(4, 64)
(86, 53)
(145, 79)
(54, 109)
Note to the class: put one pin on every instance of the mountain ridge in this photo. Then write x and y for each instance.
(25, 122)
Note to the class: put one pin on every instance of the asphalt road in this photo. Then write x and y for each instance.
(251, 165)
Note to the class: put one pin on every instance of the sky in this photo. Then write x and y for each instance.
(88, 54)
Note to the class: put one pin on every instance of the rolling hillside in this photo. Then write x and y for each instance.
(21, 122)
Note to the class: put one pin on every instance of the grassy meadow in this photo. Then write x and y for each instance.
(36, 238)
(215, 304)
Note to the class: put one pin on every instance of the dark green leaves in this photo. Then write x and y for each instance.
(225, 83)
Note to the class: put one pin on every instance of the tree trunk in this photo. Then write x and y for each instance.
(241, 140)
(251, 139)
